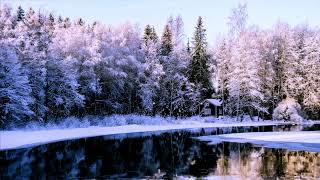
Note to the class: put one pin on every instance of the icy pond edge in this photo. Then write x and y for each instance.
(21, 139)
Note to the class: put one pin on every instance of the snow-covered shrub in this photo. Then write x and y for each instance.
(73, 122)
(147, 120)
(288, 110)
(114, 120)
(33, 125)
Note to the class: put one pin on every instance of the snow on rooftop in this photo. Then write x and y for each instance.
(216, 102)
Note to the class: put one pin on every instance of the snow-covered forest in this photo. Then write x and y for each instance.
(52, 67)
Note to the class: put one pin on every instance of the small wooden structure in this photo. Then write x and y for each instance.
(212, 107)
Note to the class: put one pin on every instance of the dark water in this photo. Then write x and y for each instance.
(165, 155)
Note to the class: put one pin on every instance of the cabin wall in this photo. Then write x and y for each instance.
(209, 109)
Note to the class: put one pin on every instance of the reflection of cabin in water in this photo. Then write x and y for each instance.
(211, 107)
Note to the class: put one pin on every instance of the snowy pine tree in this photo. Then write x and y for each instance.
(223, 55)
(244, 84)
(311, 81)
(177, 96)
(166, 46)
(20, 14)
(266, 71)
(153, 71)
(32, 44)
(198, 70)
(243, 81)
(76, 45)
(15, 99)
(62, 88)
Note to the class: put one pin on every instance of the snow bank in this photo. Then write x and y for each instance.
(19, 139)
(101, 121)
(121, 120)
(302, 140)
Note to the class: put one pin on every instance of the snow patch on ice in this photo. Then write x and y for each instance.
(301, 140)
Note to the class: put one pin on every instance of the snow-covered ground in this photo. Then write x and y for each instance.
(301, 140)
(121, 120)
(74, 128)
(24, 138)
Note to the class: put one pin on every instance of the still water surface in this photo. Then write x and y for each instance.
(166, 155)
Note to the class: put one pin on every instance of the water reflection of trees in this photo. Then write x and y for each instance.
(260, 163)
(39, 163)
(96, 157)
(165, 155)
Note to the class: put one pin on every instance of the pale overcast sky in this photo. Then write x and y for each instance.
(264, 13)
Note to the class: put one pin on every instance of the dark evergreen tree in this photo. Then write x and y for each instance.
(50, 20)
(149, 34)
(166, 41)
(80, 22)
(198, 70)
(66, 23)
(154, 35)
(188, 47)
(20, 14)
(176, 95)
(49, 26)
(60, 20)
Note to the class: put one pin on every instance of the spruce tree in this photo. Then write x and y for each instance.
(222, 56)
(20, 14)
(177, 96)
(32, 42)
(198, 70)
(153, 71)
(166, 42)
(60, 20)
(149, 34)
(80, 22)
(15, 90)
(154, 35)
(66, 23)
(188, 47)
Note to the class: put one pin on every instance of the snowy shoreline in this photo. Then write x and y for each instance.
(20, 138)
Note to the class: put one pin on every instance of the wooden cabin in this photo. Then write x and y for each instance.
(212, 107)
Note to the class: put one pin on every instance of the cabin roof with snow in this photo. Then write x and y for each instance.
(215, 102)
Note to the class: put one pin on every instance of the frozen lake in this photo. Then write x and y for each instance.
(167, 154)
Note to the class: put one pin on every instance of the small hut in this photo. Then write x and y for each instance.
(211, 107)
